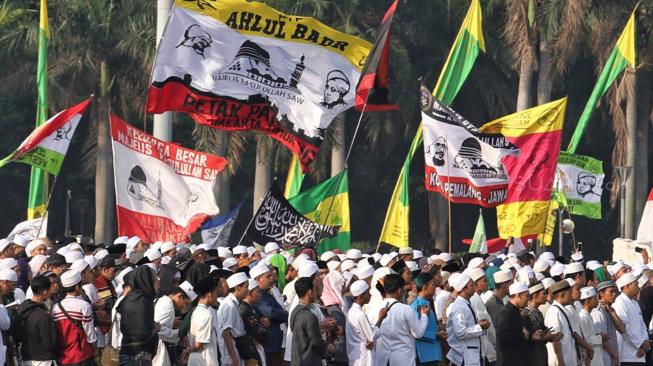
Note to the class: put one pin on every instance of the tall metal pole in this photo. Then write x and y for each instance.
(162, 122)
(561, 237)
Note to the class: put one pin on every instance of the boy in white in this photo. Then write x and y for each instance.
(589, 301)
(202, 336)
(164, 314)
(231, 324)
(634, 343)
(360, 334)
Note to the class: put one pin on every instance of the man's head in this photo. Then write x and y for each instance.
(71, 281)
(6, 248)
(561, 292)
(56, 263)
(254, 294)
(304, 290)
(8, 279)
(502, 280)
(182, 296)
(263, 276)
(607, 291)
(107, 268)
(628, 285)
(518, 295)
(393, 285)
(238, 285)
(360, 290)
(537, 294)
(41, 288)
(480, 281)
(424, 285)
(588, 298)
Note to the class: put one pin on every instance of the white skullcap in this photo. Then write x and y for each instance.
(354, 254)
(517, 288)
(333, 265)
(525, 274)
(377, 257)
(33, 245)
(327, 256)
(476, 273)
(539, 276)
(577, 257)
(342, 257)
(21, 240)
(8, 263)
(571, 282)
(625, 279)
(100, 254)
(459, 281)
(132, 242)
(156, 245)
(72, 256)
(587, 292)
(535, 288)
(557, 269)
(75, 246)
(358, 288)
(205, 247)
(236, 279)
(252, 284)
(152, 254)
(347, 265)
(121, 240)
(8, 275)
(79, 265)
(36, 263)
(405, 250)
(638, 268)
(307, 269)
(541, 265)
(548, 282)
(4, 243)
(547, 256)
(475, 262)
(417, 254)
(188, 290)
(229, 262)
(506, 266)
(120, 278)
(224, 252)
(297, 262)
(70, 278)
(239, 249)
(592, 265)
(258, 270)
(412, 266)
(643, 280)
(362, 264)
(385, 259)
(573, 267)
(91, 260)
(502, 276)
(166, 246)
(393, 255)
(445, 257)
(271, 247)
(364, 272)
(251, 251)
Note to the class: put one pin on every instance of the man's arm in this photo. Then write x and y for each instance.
(228, 340)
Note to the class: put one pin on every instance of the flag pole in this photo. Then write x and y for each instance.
(47, 203)
(254, 215)
(446, 141)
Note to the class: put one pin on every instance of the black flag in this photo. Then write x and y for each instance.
(276, 220)
(373, 85)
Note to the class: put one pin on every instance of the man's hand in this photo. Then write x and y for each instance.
(424, 310)
(538, 335)
(383, 313)
(526, 333)
(330, 348)
(327, 324)
(553, 337)
(590, 355)
(442, 335)
(369, 345)
(484, 323)
(604, 337)
(265, 321)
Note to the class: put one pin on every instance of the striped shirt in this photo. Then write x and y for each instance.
(75, 345)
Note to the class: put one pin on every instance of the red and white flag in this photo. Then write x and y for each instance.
(645, 231)
(163, 191)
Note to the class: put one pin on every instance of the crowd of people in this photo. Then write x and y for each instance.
(137, 303)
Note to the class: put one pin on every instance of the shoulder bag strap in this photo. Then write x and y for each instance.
(570, 330)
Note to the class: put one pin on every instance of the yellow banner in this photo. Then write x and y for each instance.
(257, 19)
(542, 118)
(339, 215)
(626, 41)
(519, 219)
(546, 237)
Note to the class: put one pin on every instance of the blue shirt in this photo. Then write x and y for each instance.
(427, 347)
(270, 308)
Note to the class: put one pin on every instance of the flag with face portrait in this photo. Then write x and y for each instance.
(240, 65)
(581, 179)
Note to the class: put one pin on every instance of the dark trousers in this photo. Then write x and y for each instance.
(129, 360)
(632, 363)
(274, 359)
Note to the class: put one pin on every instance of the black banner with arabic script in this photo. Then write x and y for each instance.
(276, 220)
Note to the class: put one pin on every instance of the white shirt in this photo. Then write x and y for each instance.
(630, 314)
(164, 314)
(556, 320)
(439, 303)
(289, 294)
(398, 333)
(202, 330)
(116, 335)
(4, 325)
(463, 334)
(592, 337)
(489, 340)
(229, 318)
(358, 331)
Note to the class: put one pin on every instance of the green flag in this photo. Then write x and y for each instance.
(580, 181)
(622, 55)
(479, 242)
(39, 179)
(315, 203)
(468, 44)
(295, 178)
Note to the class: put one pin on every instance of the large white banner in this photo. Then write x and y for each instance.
(163, 191)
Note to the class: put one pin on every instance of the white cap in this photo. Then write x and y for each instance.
(592, 265)
(239, 249)
(475, 262)
(131, 243)
(100, 254)
(73, 256)
(251, 251)
(577, 257)
(299, 260)
(236, 279)
(570, 281)
(75, 246)
(205, 247)
(21, 240)
(8, 275)
(573, 267)
(224, 252)
(8, 263)
(539, 276)
(354, 254)
(271, 247)
(70, 278)
(4, 243)
(33, 245)
(307, 269)
(252, 284)
(385, 259)
(229, 262)
(377, 257)
(36, 263)
(459, 281)
(120, 278)
(152, 254)
(547, 256)
(587, 292)
(91, 260)
(166, 246)
(79, 265)
(358, 288)
(327, 256)
(417, 254)
(156, 245)
(405, 250)
(347, 265)
(188, 290)
(333, 265)
(525, 274)
(412, 266)
(517, 288)
(502, 276)
(557, 269)
(643, 280)
(121, 240)
(535, 288)
(445, 257)
(476, 273)
(548, 282)
(258, 270)
(625, 279)
(364, 272)
(541, 265)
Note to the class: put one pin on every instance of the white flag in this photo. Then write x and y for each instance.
(645, 231)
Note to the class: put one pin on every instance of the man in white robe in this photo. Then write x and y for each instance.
(360, 334)
(634, 342)
(231, 323)
(164, 314)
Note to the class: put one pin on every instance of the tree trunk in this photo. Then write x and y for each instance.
(338, 148)
(104, 184)
(641, 166)
(544, 81)
(223, 180)
(263, 171)
(524, 96)
(631, 185)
